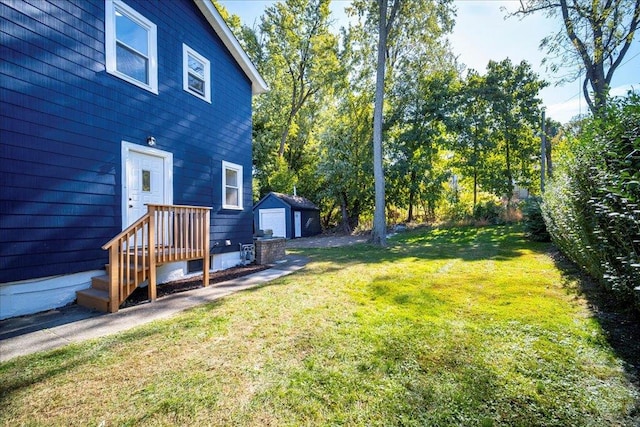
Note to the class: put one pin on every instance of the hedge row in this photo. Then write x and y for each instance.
(592, 205)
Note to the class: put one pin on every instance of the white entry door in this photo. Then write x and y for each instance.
(146, 181)
(297, 220)
(273, 219)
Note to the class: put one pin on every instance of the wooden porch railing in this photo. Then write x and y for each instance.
(166, 233)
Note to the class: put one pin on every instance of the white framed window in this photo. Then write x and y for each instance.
(231, 186)
(131, 46)
(196, 73)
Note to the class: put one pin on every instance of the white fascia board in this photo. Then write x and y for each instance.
(258, 85)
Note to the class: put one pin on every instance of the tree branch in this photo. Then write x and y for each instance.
(585, 91)
(392, 15)
(633, 26)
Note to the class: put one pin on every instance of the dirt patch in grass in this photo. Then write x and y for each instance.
(140, 295)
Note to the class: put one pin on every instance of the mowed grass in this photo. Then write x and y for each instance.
(450, 327)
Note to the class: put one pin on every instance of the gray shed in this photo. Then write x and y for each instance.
(288, 216)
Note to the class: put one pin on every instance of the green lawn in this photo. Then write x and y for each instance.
(445, 327)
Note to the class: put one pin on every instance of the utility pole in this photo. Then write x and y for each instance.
(543, 152)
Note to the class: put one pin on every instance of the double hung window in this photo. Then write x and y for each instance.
(131, 46)
(196, 73)
(231, 186)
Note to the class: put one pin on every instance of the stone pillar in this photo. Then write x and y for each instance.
(269, 251)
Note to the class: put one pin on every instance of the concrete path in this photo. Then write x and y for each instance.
(57, 328)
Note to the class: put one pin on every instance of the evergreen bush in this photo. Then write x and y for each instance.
(534, 225)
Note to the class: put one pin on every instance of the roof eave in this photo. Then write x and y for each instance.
(258, 85)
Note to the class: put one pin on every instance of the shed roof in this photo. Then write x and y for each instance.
(258, 85)
(296, 202)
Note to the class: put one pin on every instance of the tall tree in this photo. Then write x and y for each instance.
(297, 55)
(386, 16)
(421, 69)
(512, 92)
(346, 165)
(421, 111)
(471, 124)
(597, 34)
(302, 52)
(403, 27)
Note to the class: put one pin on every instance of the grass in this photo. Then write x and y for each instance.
(448, 327)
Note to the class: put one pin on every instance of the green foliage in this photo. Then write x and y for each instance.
(417, 137)
(314, 128)
(592, 206)
(534, 226)
(282, 179)
(515, 109)
(297, 56)
(490, 211)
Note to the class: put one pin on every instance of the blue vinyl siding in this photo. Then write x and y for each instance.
(63, 119)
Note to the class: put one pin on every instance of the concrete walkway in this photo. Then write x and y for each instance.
(57, 328)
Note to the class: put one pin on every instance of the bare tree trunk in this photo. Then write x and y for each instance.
(285, 134)
(549, 163)
(475, 168)
(379, 232)
(345, 214)
(509, 174)
(475, 187)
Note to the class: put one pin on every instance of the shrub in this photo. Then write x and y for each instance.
(490, 211)
(534, 225)
(592, 206)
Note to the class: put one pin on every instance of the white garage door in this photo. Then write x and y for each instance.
(273, 219)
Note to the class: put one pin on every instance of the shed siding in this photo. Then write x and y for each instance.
(271, 202)
(310, 223)
(63, 119)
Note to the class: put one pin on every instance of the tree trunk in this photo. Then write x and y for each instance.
(475, 187)
(327, 218)
(509, 175)
(412, 196)
(549, 163)
(379, 232)
(345, 214)
(475, 168)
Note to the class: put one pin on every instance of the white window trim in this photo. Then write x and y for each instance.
(111, 6)
(238, 169)
(186, 51)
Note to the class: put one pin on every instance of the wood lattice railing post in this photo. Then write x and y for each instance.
(206, 260)
(152, 253)
(114, 294)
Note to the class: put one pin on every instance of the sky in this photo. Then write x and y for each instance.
(482, 33)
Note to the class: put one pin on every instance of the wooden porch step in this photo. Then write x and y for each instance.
(100, 282)
(96, 299)
(133, 268)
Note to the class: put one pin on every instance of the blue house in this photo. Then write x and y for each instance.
(113, 111)
(288, 216)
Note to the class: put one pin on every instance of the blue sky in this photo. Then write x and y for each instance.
(482, 34)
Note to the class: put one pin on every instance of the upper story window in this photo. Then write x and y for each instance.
(196, 73)
(231, 186)
(131, 46)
